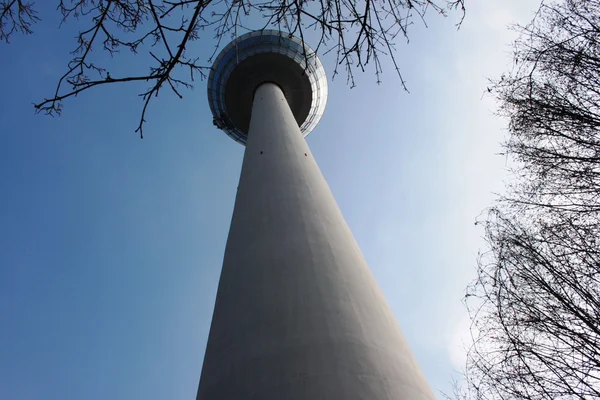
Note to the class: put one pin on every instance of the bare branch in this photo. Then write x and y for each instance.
(16, 16)
(359, 33)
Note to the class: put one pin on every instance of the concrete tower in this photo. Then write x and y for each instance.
(298, 314)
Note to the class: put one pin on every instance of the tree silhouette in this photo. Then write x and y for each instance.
(535, 305)
(358, 33)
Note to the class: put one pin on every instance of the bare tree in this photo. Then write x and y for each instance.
(359, 33)
(536, 309)
(535, 305)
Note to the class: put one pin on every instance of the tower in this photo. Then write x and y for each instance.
(298, 314)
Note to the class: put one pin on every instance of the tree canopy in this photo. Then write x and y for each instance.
(535, 304)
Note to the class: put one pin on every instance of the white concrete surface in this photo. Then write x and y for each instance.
(298, 314)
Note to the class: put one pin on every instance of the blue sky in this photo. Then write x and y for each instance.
(111, 246)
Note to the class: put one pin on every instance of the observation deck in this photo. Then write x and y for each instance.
(265, 56)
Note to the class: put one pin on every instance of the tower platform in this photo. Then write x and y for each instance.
(265, 56)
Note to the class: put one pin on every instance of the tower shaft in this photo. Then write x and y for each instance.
(298, 314)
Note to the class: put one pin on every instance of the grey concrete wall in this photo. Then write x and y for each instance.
(298, 314)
